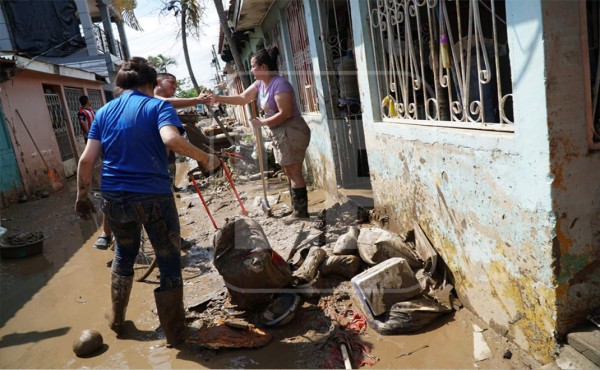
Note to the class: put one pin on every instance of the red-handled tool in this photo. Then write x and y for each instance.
(229, 178)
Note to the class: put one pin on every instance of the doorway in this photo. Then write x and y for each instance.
(348, 138)
(9, 168)
(61, 131)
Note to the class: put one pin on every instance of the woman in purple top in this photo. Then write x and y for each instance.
(291, 134)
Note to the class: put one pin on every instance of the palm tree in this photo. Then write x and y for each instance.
(191, 13)
(125, 12)
(161, 62)
(232, 45)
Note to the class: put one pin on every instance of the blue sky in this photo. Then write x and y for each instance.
(160, 37)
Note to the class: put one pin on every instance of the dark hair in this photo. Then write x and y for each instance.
(268, 56)
(83, 100)
(165, 75)
(134, 73)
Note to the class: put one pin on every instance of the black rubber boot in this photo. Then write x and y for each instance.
(169, 305)
(300, 204)
(120, 289)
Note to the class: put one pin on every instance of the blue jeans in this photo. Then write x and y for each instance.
(126, 212)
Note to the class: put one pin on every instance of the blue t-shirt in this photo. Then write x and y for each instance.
(133, 153)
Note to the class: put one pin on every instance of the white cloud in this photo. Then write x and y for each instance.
(160, 37)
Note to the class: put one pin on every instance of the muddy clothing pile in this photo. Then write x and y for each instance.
(394, 300)
(251, 269)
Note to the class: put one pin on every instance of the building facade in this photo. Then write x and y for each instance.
(75, 33)
(477, 121)
(40, 134)
(52, 52)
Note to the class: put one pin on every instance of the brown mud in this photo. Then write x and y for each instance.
(48, 299)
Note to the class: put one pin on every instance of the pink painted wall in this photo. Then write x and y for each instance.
(25, 93)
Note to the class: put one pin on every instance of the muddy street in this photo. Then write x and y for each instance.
(48, 299)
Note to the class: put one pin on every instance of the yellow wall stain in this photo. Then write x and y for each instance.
(536, 318)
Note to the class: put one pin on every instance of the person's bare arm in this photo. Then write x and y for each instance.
(246, 97)
(175, 142)
(285, 107)
(84, 206)
(84, 126)
(187, 102)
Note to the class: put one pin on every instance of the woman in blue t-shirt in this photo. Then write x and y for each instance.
(291, 134)
(133, 133)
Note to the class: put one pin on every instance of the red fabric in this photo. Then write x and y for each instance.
(277, 259)
(87, 115)
(359, 353)
(358, 321)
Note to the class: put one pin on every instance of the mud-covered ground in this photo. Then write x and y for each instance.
(48, 299)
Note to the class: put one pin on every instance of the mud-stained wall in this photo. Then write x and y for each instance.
(25, 93)
(480, 209)
(576, 170)
(319, 155)
(483, 198)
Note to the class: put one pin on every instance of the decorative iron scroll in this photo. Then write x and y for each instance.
(442, 60)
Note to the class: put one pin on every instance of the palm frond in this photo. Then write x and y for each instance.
(196, 12)
(125, 11)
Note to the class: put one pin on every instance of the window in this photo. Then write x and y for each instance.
(72, 95)
(273, 37)
(592, 11)
(443, 63)
(304, 78)
(59, 122)
(95, 98)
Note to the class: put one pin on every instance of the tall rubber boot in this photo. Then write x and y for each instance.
(300, 204)
(169, 305)
(120, 289)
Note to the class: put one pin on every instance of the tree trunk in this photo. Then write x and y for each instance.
(185, 47)
(229, 38)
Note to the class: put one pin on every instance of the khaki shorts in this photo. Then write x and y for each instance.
(290, 140)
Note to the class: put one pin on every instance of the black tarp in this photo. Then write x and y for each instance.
(44, 27)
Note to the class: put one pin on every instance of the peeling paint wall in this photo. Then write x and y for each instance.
(576, 185)
(483, 198)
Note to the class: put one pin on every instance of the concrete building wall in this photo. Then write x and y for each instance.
(5, 41)
(483, 198)
(25, 93)
(319, 154)
(575, 169)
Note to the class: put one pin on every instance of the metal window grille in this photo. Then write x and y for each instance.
(303, 71)
(101, 39)
(273, 37)
(72, 95)
(443, 62)
(59, 124)
(95, 98)
(592, 9)
(339, 58)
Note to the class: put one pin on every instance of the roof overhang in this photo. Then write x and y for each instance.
(248, 14)
(17, 62)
